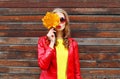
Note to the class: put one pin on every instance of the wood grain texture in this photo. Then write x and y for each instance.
(73, 18)
(83, 56)
(19, 76)
(27, 76)
(81, 41)
(21, 48)
(74, 34)
(84, 63)
(82, 49)
(61, 1)
(31, 26)
(85, 71)
(100, 49)
(99, 56)
(19, 63)
(18, 55)
(23, 4)
(70, 11)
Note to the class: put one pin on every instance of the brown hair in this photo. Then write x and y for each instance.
(66, 31)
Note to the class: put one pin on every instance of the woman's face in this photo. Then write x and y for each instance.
(62, 23)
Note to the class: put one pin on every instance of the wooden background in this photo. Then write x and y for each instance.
(95, 24)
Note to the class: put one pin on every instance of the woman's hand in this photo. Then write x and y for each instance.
(51, 37)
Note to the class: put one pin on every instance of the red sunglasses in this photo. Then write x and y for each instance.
(62, 20)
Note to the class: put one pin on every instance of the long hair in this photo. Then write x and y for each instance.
(66, 31)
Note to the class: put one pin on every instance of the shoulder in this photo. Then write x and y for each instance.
(42, 39)
(73, 41)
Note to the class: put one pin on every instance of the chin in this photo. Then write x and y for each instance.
(59, 29)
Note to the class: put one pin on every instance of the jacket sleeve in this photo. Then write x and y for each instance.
(77, 63)
(44, 55)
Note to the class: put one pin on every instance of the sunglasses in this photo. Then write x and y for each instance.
(62, 20)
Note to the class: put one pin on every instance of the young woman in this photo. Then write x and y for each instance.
(58, 53)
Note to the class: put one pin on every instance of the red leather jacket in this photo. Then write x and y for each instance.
(47, 60)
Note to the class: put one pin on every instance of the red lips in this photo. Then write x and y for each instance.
(58, 26)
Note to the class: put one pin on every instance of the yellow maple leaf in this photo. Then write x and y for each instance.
(51, 20)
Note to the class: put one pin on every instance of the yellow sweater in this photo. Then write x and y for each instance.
(62, 57)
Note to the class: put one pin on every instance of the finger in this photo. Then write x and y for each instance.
(52, 35)
(54, 30)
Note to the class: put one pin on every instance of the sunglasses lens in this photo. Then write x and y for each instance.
(62, 19)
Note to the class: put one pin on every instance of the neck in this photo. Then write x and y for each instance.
(59, 35)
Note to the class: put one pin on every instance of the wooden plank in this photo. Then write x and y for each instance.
(17, 33)
(100, 64)
(19, 40)
(20, 18)
(74, 26)
(95, 26)
(21, 70)
(88, 18)
(18, 48)
(90, 73)
(82, 56)
(109, 64)
(73, 18)
(81, 41)
(84, 71)
(100, 71)
(19, 63)
(99, 56)
(100, 49)
(22, 26)
(95, 34)
(82, 49)
(98, 41)
(84, 63)
(74, 34)
(30, 76)
(24, 70)
(23, 4)
(4, 69)
(70, 11)
(100, 77)
(61, 0)
(18, 55)
(19, 76)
